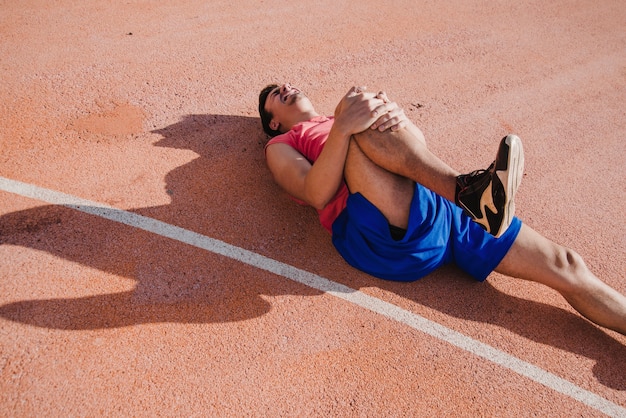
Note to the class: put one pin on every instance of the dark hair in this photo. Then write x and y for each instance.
(266, 117)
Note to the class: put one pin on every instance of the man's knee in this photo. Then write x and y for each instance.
(390, 150)
(374, 139)
(571, 266)
(569, 259)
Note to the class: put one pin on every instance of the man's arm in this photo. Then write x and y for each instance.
(317, 184)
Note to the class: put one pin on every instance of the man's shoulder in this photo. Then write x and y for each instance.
(285, 138)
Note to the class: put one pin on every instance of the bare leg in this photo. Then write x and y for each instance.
(532, 256)
(487, 196)
(536, 258)
(404, 152)
(389, 192)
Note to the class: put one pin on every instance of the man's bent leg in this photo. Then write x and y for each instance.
(381, 231)
(389, 192)
(404, 152)
(485, 195)
(536, 258)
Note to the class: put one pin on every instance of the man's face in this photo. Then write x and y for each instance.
(285, 103)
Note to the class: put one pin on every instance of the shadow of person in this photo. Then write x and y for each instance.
(223, 194)
(174, 282)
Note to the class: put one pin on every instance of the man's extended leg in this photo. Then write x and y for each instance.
(487, 196)
(536, 258)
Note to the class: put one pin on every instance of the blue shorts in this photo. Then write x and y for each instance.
(438, 233)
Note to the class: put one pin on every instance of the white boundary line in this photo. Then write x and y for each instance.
(322, 284)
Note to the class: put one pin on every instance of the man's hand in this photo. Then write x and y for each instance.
(358, 110)
(393, 116)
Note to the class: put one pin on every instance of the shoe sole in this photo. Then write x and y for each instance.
(511, 179)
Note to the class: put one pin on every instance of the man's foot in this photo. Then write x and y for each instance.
(487, 195)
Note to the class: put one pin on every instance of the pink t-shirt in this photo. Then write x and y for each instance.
(308, 138)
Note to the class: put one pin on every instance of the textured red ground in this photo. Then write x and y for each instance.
(151, 107)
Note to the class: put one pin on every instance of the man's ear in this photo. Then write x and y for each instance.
(274, 125)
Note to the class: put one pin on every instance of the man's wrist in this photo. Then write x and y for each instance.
(339, 131)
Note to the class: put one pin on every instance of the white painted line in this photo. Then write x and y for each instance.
(322, 284)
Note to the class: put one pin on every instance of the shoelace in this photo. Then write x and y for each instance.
(470, 178)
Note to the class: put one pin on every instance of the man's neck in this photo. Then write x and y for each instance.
(302, 117)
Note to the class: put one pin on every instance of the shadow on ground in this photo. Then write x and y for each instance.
(227, 193)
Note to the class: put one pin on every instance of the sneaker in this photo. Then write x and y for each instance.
(487, 196)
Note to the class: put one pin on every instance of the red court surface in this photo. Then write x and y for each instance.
(151, 267)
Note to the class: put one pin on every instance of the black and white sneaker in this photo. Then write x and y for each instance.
(487, 195)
